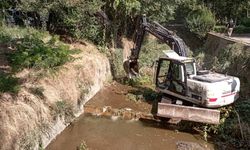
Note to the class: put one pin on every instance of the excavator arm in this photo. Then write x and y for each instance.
(131, 65)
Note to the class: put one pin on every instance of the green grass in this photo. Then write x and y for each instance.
(10, 34)
(34, 48)
(138, 81)
(82, 146)
(32, 52)
(31, 48)
(9, 83)
(64, 109)
(234, 128)
(151, 50)
(38, 91)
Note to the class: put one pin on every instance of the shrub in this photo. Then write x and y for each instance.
(138, 81)
(82, 146)
(235, 128)
(245, 22)
(75, 19)
(150, 52)
(242, 29)
(117, 64)
(220, 29)
(4, 38)
(64, 109)
(10, 34)
(8, 84)
(37, 91)
(200, 21)
(32, 52)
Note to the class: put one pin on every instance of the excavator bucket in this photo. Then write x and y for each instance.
(188, 113)
(131, 68)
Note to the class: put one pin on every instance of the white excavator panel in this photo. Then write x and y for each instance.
(213, 89)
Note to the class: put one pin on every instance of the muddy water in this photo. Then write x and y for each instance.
(106, 134)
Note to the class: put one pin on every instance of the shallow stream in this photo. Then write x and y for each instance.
(106, 134)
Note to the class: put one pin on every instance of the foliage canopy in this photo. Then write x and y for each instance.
(200, 21)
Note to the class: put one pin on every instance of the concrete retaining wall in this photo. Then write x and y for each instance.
(216, 42)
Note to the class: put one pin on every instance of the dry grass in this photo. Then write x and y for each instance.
(26, 116)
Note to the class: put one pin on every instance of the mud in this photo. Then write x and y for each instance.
(100, 132)
(116, 96)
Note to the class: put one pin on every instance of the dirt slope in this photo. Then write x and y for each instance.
(47, 102)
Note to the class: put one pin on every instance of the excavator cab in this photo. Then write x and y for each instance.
(173, 71)
(171, 75)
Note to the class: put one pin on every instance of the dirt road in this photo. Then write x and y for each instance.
(242, 37)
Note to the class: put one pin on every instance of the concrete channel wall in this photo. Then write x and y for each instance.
(216, 42)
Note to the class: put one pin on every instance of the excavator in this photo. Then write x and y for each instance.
(187, 93)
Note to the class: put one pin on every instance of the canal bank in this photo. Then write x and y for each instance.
(47, 102)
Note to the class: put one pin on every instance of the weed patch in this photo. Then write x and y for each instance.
(38, 91)
(116, 62)
(9, 83)
(82, 146)
(29, 140)
(84, 90)
(151, 50)
(64, 109)
(138, 81)
(143, 94)
(32, 52)
(234, 130)
(134, 98)
(34, 48)
(11, 34)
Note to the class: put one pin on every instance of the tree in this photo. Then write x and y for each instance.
(200, 21)
(160, 10)
(74, 18)
(4, 5)
(227, 9)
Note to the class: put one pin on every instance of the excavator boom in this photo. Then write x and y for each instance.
(131, 65)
